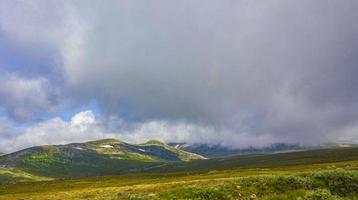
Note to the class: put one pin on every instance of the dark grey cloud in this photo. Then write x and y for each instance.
(278, 70)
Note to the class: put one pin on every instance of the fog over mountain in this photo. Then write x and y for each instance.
(239, 73)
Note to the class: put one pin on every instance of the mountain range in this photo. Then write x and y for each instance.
(111, 157)
(101, 157)
(215, 151)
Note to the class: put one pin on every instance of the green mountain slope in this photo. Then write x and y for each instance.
(327, 155)
(216, 151)
(109, 157)
(182, 154)
(102, 157)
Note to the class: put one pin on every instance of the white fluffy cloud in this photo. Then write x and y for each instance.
(85, 126)
(82, 126)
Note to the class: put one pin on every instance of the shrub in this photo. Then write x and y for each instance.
(284, 183)
(320, 194)
(208, 193)
(277, 183)
(198, 193)
(137, 197)
(341, 182)
(324, 185)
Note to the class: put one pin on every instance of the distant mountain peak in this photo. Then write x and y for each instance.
(217, 150)
(154, 142)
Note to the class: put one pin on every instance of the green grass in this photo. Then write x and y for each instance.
(308, 186)
(327, 181)
(92, 165)
(10, 175)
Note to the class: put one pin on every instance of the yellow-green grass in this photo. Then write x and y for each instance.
(13, 175)
(166, 185)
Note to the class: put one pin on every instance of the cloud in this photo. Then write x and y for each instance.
(31, 76)
(81, 127)
(277, 68)
(229, 71)
(85, 126)
(23, 98)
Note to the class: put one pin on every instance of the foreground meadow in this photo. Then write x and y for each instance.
(337, 180)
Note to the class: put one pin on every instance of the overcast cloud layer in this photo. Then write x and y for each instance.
(236, 72)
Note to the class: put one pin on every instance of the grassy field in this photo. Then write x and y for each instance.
(330, 180)
(325, 177)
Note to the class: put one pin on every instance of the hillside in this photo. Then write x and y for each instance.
(215, 151)
(183, 155)
(307, 157)
(110, 157)
(101, 157)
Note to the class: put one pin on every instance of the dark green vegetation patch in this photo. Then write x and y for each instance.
(325, 185)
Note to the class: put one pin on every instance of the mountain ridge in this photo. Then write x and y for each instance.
(92, 158)
(217, 150)
(114, 157)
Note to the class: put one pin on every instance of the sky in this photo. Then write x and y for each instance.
(238, 73)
